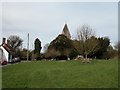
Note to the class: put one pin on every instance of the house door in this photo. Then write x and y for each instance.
(10, 58)
(1, 55)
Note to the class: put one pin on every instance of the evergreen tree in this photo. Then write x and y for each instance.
(61, 48)
(104, 43)
(38, 47)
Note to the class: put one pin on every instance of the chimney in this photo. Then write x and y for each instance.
(4, 39)
(8, 42)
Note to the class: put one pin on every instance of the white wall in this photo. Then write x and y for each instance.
(5, 54)
(1, 56)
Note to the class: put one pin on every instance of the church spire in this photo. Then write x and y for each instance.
(66, 31)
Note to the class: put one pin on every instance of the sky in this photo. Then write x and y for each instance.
(45, 20)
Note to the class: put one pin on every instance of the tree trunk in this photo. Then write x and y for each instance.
(85, 56)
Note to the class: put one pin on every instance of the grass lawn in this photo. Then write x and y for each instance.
(55, 74)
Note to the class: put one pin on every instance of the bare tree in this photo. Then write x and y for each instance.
(85, 32)
(88, 42)
(15, 41)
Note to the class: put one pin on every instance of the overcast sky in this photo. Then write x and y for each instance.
(45, 20)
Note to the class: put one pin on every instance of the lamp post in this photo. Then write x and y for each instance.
(28, 48)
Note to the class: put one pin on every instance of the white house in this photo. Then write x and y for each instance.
(3, 54)
(6, 52)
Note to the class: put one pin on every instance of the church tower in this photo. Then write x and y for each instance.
(66, 31)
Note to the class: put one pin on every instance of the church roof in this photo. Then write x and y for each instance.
(66, 31)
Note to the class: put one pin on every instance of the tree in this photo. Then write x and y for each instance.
(111, 53)
(22, 54)
(103, 44)
(88, 43)
(91, 46)
(38, 47)
(15, 41)
(85, 32)
(61, 48)
(117, 45)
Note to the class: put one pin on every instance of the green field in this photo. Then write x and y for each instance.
(56, 74)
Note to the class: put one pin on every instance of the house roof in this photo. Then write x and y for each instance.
(8, 49)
